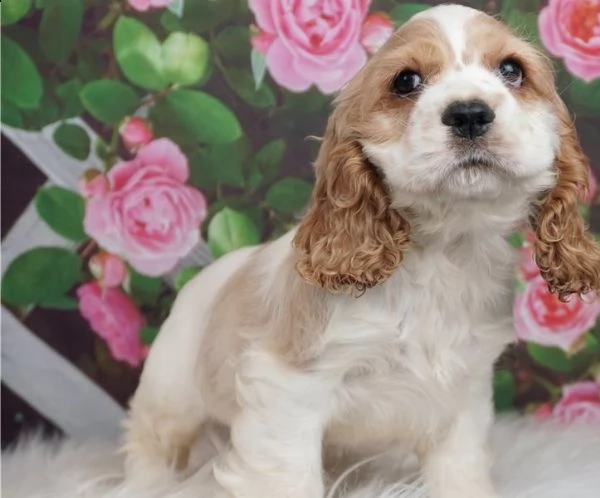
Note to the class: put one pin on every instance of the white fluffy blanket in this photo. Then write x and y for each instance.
(533, 460)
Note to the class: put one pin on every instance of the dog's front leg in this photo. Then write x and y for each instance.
(276, 438)
(458, 465)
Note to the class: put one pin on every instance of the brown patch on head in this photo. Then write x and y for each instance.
(566, 253)
(350, 237)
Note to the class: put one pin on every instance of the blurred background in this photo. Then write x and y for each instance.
(141, 139)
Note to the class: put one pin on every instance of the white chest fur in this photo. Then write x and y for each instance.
(410, 350)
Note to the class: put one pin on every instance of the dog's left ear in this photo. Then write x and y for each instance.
(565, 252)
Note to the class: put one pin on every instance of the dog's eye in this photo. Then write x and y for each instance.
(511, 72)
(407, 82)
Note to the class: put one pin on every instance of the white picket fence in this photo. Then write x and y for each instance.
(30, 368)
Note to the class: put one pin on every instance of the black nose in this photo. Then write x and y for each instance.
(468, 119)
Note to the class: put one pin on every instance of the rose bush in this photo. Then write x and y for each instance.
(579, 402)
(542, 319)
(316, 43)
(570, 29)
(147, 215)
(115, 318)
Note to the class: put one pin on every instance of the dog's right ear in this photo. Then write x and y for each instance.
(349, 238)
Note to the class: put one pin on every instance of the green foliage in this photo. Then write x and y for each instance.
(185, 275)
(185, 58)
(144, 290)
(265, 166)
(405, 11)
(21, 81)
(43, 274)
(109, 101)
(243, 84)
(139, 54)
(63, 210)
(73, 140)
(230, 230)
(289, 196)
(148, 334)
(191, 116)
(12, 11)
(504, 390)
(585, 97)
(60, 28)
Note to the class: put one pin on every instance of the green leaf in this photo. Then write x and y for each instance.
(266, 164)
(91, 64)
(176, 6)
(65, 303)
(230, 230)
(109, 101)
(68, 95)
(225, 162)
(73, 140)
(200, 15)
(524, 23)
(404, 12)
(11, 115)
(311, 101)
(148, 335)
(63, 210)
(60, 28)
(289, 196)
(585, 97)
(516, 239)
(185, 275)
(552, 358)
(40, 275)
(21, 81)
(242, 83)
(504, 390)
(204, 117)
(144, 290)
(258, 65)
(185, 58)
(13, 10)
(139, 54)
(233, 43)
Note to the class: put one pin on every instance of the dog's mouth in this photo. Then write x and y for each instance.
(478, 160)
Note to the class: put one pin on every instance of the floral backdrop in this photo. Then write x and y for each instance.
(201, 109)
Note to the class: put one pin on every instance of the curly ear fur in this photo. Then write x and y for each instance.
(350, 238)
(565, 252)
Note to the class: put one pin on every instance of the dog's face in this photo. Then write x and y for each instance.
(464, 108)
(454, 108)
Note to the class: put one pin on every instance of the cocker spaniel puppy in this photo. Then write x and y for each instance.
(376, 321)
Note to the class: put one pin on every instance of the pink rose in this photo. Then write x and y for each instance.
(317, 42)
(570, 29)
(93, 184)
(542, 412)
(541, 318)
(108, 269)
(114, 317)
(144, 5)
(148, 215)
(528, 267)
(580, 402)
(135, 132)
(377, 28)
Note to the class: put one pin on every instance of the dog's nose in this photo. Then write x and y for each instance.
(468, 119)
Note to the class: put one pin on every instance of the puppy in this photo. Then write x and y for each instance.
(376, 321)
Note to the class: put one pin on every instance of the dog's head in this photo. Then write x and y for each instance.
(455, 107)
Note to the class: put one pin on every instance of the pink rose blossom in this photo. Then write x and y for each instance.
(580, 402)
(144, 5)
(570, 29)
(108, 269)
(135, 132)
(376, 30)
(148, 216)
(528, 267)
(542, 319)
(305, 43)
(114, 317)
(543, 412)
(93, 184)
